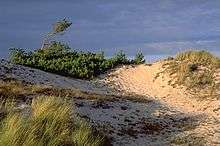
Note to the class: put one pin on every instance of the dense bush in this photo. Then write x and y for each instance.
(58, 58)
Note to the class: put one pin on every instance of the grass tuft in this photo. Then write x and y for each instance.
(199, 57)
(196, 70)
(51, 122)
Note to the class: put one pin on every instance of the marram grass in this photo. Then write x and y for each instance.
(199, 57)
(49, 123)
(196, 70)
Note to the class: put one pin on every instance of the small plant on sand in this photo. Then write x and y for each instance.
(50, 122)
(139, 58)
(189, 140)
(12, 90)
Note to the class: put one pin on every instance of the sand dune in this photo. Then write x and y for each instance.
(142, 80)
(167, 111)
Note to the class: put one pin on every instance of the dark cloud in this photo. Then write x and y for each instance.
(157, 27)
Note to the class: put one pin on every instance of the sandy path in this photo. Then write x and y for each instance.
(141, 80)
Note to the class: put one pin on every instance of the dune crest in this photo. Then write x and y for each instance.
(144, 80)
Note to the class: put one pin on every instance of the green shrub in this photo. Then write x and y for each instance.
(139, 58)
(120, 58)
(58, 58)
(49, 123)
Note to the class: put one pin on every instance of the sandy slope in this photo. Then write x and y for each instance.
(36, 76)
(141, 80)
(166, 113)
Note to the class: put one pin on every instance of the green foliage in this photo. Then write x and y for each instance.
(61, 26)
(58, 58)
(56, 49)
(49, 123)
(120, 58)
(17, 55)
(139, 58)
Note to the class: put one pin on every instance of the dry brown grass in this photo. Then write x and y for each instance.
(189, 140)
(195, 70)
(21, 91)
(18, 90)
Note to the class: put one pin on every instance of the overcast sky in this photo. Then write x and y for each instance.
(154, 26)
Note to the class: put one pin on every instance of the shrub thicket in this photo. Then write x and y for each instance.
(58, 58)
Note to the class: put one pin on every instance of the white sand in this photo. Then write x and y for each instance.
(141, 80)
(129, 122)
(35, 76)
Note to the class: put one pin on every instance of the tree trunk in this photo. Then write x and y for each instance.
(46, 40)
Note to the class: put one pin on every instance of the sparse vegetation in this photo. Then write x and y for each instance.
(15, 90)
(196, 70)
(203, 58)
(50, 122)
(189, 140)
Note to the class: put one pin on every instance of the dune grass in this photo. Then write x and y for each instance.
(199, 57)
(50, 122)
(196, 70)
(50, 119)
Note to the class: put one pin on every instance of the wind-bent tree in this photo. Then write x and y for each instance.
(58, 28)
